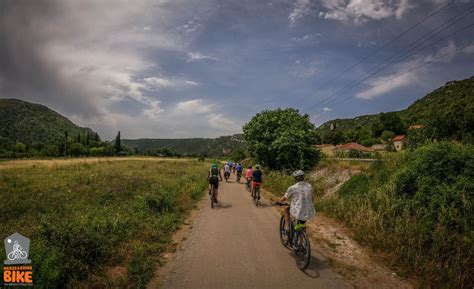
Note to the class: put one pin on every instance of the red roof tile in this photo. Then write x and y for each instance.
(354, 146)
(399, 137)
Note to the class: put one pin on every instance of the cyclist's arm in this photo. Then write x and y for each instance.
(220, 176)
(282, 199)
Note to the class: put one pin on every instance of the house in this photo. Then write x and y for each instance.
(398, 142)
(327, 149)
(353, 147)
(379, 147)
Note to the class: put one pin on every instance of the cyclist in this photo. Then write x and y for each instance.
(256, 178)
(248, 176)
(239, 169)
(301, 197)
(213, 176)
(226, 171)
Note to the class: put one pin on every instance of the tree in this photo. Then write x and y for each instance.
(387, 135)
(351, 135)
(335, 136)
(392, 121)
(96, 137)
(87, 139)
(282, 139)
(65, 143)
(118, 144)
(238, 154)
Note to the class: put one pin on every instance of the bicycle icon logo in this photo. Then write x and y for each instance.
(17, 247)
(17, 252)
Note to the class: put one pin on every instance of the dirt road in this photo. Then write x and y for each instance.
(236, 245)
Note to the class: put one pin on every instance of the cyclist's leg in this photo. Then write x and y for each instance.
(287, 218)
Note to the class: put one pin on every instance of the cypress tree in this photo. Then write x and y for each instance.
(118, 144)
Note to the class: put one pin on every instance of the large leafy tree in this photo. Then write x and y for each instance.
(282, 139)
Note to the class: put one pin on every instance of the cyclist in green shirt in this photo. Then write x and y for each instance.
(213, 176)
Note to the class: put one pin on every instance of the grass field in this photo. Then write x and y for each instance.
(97, 223)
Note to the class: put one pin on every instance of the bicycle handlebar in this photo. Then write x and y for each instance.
(281, 204)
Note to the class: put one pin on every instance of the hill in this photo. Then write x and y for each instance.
(190, 146)
(451, 106)
(31, 123)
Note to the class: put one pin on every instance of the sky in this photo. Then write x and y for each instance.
(180, 68)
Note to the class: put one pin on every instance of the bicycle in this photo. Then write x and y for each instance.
(295, 239)
(239, 175)
(256, 194)
(212, 193)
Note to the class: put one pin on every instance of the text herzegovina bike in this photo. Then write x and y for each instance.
(295, 238)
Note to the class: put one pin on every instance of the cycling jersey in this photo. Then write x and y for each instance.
(239, 168)
(248, 173)
(301, 197)
(257, 176)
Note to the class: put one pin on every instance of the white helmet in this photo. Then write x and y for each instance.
(298, 173)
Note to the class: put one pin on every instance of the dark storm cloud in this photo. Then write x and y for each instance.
(27, 28)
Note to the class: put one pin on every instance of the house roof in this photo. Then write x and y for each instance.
(399, 137)
(354, 146)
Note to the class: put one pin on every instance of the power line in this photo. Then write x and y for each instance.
(387, 43)
(434, 60)
(396, 58)
(356, 82)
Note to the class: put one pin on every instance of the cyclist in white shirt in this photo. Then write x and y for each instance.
(301, 200)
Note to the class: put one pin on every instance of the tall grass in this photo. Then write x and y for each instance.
(88, 220)
(418, 208)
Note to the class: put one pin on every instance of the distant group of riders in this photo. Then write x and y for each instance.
(300, 194)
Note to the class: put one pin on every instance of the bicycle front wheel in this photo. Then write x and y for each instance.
(302, 251)
(284, 234)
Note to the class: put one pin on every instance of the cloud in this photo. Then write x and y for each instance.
(194, 106)
(402, 8)
(359, 11)
(157, 82)
(191, 82)
(301, 9)
(327, 109)
(409, 72)
(195, 56)
(382, 85)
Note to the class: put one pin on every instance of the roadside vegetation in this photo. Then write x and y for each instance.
(99, 225)
(417, 208)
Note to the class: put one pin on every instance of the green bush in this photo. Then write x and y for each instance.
(418, 207)
(356, 186)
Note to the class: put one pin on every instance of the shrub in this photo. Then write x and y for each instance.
(418, 207)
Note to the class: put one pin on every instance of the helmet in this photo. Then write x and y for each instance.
(298, 173)
(214, 165)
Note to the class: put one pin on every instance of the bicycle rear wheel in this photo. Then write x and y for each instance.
(284, 234)
(256, 196)
(212, 198)
(302, 250)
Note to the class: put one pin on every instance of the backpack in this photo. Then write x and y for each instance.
(214, 172)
